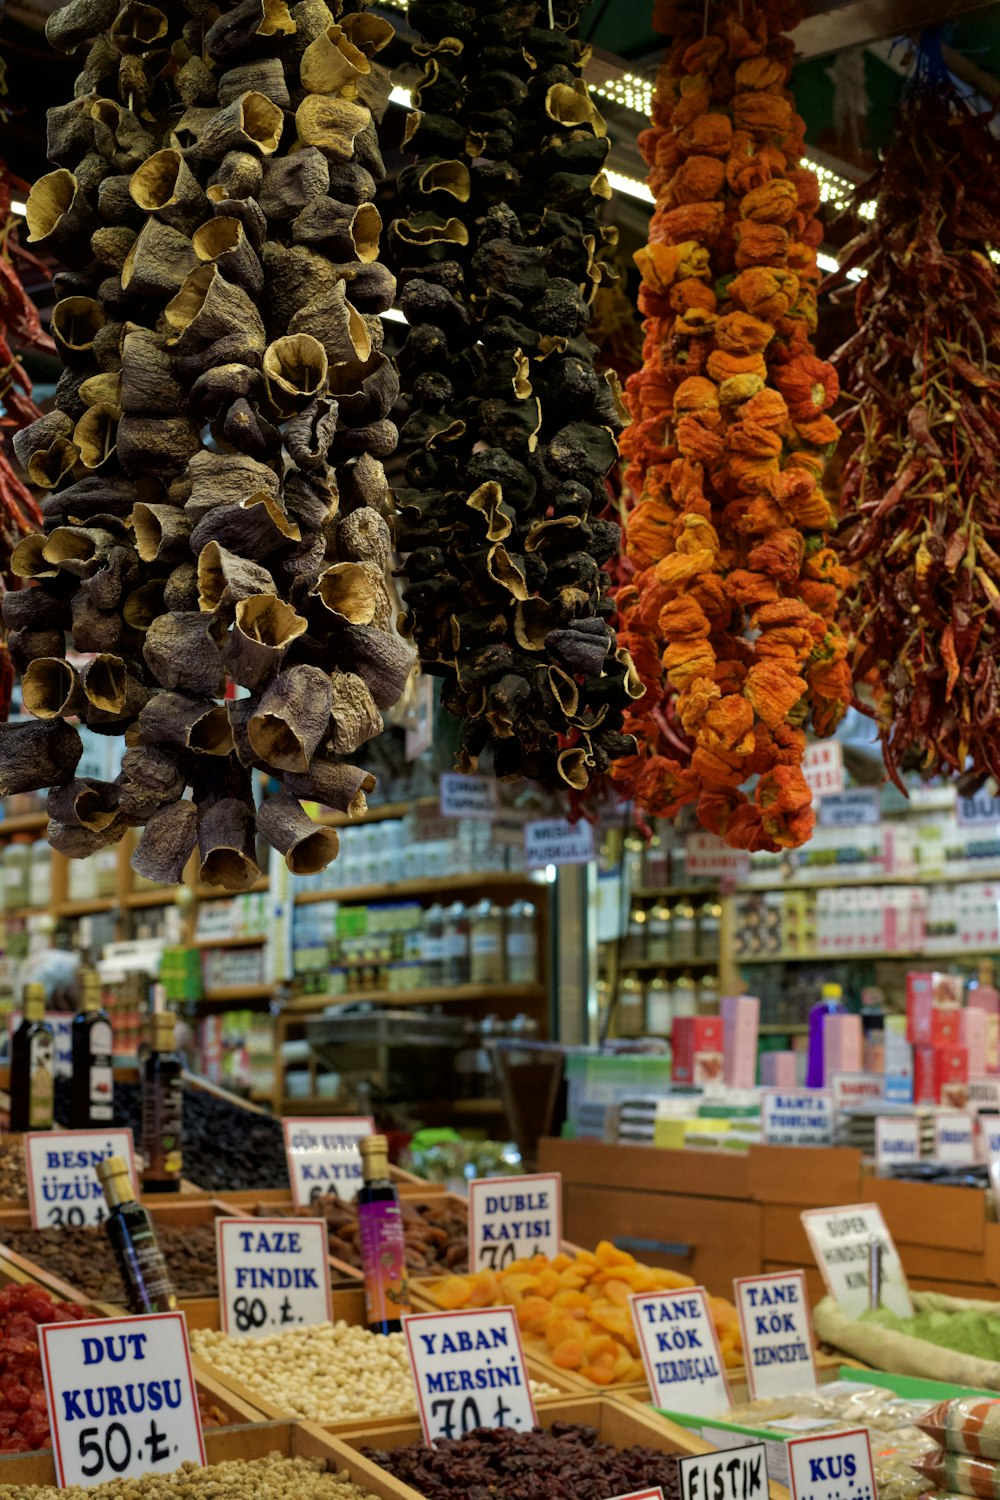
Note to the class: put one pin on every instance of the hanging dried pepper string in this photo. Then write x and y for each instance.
(730, 611)
(922, 482)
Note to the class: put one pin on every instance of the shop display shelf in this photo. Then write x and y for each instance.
(219, 893)
(903, 955)
(652, 892)
(380, 813)
(227, 993)
(430, 885)
(84, 906)
(457, 994)
(252, 1440)
(622, 1423)
(668, 963)
(240, 940)
(22, 913)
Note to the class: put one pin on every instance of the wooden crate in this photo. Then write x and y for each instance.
(623, 1424)
(348, 1305)
(257, 1440)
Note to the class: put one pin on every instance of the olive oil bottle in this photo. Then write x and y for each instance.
(92, 1088)
(132, 1233)
(32, 1066)
(383, 1247)
(162, 1110)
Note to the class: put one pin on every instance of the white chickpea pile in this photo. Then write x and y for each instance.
(274, 1477)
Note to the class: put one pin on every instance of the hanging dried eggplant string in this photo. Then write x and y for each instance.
(213, 197)
(512, 430)
(731, 609)
(921, 489)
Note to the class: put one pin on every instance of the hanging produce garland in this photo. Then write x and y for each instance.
(512, 430)
(921, 485)
(213, 196)
(730, 614)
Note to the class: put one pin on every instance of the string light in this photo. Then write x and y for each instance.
(627, 90)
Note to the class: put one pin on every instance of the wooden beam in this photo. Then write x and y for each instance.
(834, 29)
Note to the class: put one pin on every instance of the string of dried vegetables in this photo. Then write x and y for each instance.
(922, 483)
(512, 430)
(214, 198)
(731, 611)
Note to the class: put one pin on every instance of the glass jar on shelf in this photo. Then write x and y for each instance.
(432, 946)
(709, 922)
(708, 994)
(632, 858)
(455, 944)
(634, 945)
(659, 1005)
(658, 932)
(685, 996)
(486, 951)
(521, 944)
(684, 929)
(631, 1019)
(656, 864)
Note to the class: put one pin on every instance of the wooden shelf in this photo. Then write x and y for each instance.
(904, 955)
(21, 913)
(23, 823)
(229, 993)
(477, 1107)
(216, 893)
(457, 995)
(774, 1028)
(431, 885)
(85, 906)
(165, 897)
(841, 882)
(243, 940)
(651, 892)
(668, 963)
(377, 814)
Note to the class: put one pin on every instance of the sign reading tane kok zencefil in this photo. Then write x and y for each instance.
(680, 1351)
(121, 1397)
(469, 1371)
(512, 1218)
(777, 1333)
(63, 1190)
(273, 1274)
(324, 1157)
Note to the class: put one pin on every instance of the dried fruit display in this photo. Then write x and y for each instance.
(512, 430)
(24, 1418)
(921, 489)
(216, 506)
(730, 614)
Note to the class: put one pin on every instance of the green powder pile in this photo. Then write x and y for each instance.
(975, 1333)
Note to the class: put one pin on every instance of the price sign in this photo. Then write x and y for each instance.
(655, 1493)
(63, 1189)
(733, 1474)
(984, 1092)
(556, 841)
(990, 1127)
(979, 811)
(324, 1157)
(680, 1351)
(953, 1139)
(468, 796)
(706, 854)
(469, 1371)
(777, 1333)
(511, 1218)
(841, 1239)
(121, 1397)
(897, 1140)
(831, 1467)
(859, 806)
(273, 1274)
(800, 1118)
(823, 768)
(856, 1088)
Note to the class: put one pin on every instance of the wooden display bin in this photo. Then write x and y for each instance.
(349, 1306)
(623, 1424)
(294, 1439)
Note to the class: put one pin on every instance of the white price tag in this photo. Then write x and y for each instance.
(831, 1467)
(706, 854)
(273, 1274)
(63, 1189)
(841, 1240)
(733, 1474)
(855, 1088)
(897, 1140)
(990, 1127)
(656, 1493)
(954, 1140)
(121, 1396)
(512, 1218)
(468, 796)
(777, 1333)
(680, 1351)
(984, 1092)
(851, 809)
(803, 1117)
(823, 768)
(557, 841)
(469, 1371)
(979, 811)
(324, 1157)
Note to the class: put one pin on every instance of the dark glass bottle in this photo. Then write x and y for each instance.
(132, 1233)
(383, 1247)
(92, 1088)
(162, 1110)
(32, 1066)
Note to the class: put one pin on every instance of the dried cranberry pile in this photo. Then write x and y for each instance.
(568, 1459)
(24, 1418)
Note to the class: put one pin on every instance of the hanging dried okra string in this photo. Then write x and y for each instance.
(731, 610)
(216, 506)
(512, 430)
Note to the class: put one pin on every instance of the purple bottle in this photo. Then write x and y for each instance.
(830, 1004)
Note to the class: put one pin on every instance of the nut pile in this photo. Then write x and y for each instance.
(568, 1459)
(215, 507)
(436, 1233)
(276, 1477)
(512, 430)
(84, 1258)
(24, 1419)
(332, 1372)
(13, 1176)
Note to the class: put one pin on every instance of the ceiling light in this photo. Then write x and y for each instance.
(393, 315)
(627, 90)
(401, 96)
(17, 207)
(631, 186)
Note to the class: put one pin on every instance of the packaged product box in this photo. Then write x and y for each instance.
(932, 1005)
(972, 1034)
(779, 1070)
(897, 1060)
(941, 1076)
(697, 1043)
(740, 1019)
(843, 1045)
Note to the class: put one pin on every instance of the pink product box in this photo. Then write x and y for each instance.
(843, 1045)
(973, 1034)
(740, 1018)
(932, 1006)
(941, 1076)
(778, 1070)
(697, 1049)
